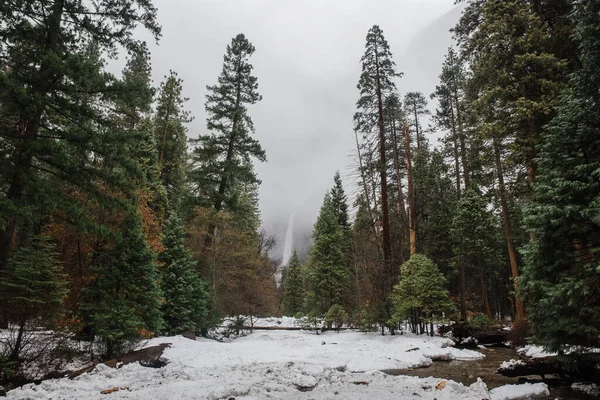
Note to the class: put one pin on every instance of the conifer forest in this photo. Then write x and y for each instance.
(469, 214)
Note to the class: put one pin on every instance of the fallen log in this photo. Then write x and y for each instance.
(147, 357)
(490, 336)
(537, 366)
(573, 368)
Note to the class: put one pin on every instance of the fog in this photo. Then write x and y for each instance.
(307, 64)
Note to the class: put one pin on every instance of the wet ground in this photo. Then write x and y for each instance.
(467, 373)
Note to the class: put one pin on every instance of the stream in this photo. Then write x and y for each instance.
(468, 371)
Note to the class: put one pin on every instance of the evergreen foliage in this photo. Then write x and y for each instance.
(327, 275)
(293, 298)
(186, 297)
(561, 274)
(171, 138)
(222, 159)
(420, 295)
(51, 85)
(123, 304)
(32, 289)
(336, 317)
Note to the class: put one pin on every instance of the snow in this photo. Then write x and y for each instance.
(274, 364)
(284, 322)
(533, 351)
(517, 392)
(511, 364)
(588, 388)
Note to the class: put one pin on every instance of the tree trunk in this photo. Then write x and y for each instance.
(387, 248)
(512, 254)
(14, 355)
(366, 189)
(463, 289)
(401, 206)
(456, 161)
(417, 126)
(412, 214)
(484, 291)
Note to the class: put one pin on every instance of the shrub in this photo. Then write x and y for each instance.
(336, 316)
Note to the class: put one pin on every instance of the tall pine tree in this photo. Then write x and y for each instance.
(222, 159)
(561, 274)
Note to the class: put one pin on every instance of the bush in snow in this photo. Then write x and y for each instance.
(364, 319)
(312, 322)
(336, 317)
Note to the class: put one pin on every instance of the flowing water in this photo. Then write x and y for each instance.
(468, 371)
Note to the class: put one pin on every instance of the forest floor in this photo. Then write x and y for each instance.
(282, 365)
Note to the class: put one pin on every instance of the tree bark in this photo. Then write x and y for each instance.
(366, 190)
(387, 248)
(412, 214)
(512, 254)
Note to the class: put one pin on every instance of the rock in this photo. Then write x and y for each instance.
(189, 335)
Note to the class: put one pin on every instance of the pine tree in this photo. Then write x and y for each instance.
(449, 115)
(561, 274)
(420, 295)
(48, 83)
(185, 295)
(375, 84)
(32, 288)
(171, 138)
(293, 297)
(327, 273)
(415, 105)
(515, 83)
(122, 305)
(339, 201)
(222, 159)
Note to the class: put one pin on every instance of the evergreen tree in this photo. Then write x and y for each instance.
(49, 89)
(339, 202)
(122, 305)
(185, 295)
(561, 274)
(420, 295)
(170, 137)
(327, 274)
(222, 159)
(375, 84)
(449, 115)
(475, 246)
(415, 105)
(293, 297)
(32, 288)
(514, 85)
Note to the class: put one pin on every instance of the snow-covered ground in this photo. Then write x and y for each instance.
(276, 364)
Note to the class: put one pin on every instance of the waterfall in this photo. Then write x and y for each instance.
(289, 242)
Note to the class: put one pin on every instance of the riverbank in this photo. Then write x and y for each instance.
(278, 365)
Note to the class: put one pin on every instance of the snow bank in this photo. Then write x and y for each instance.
(518, 392)
(274, 364)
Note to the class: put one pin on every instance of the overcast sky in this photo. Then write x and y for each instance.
(307, 64)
